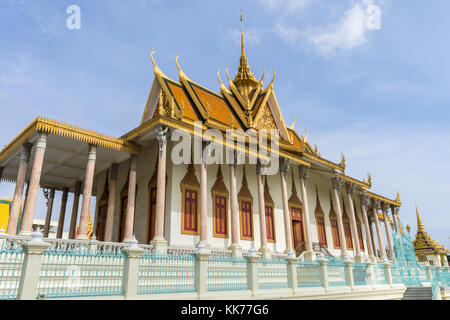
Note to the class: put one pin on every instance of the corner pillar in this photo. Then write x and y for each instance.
(87, 192)
(284, 167)
(30, 203)
(379, 232)
(18, 191)
(364, 204)
(350, 191)
(337, 184)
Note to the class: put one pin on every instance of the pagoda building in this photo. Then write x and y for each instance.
(428, 250)
(307, 204)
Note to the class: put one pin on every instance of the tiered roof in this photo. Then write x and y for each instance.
(424, 243)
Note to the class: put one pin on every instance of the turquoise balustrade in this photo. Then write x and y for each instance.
(166, 273)
(272, 273)
(11, 261)
(227, 273)
(80, 269)
(308, 274)
(336, 272)
(360, 276)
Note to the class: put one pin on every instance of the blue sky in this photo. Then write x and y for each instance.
(379, 96)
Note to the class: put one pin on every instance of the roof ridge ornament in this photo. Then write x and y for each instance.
(181, 74)
(156, 69)
(342, 163)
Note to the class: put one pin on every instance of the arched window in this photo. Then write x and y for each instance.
(334, 226)
(347, 229)
(190, 188)
(320, 221)
(220, 206)
(295, 210)
(269, 213)
(102, 211)
(245, 210)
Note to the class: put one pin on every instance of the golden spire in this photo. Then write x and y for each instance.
(420, 227)
(244, 80)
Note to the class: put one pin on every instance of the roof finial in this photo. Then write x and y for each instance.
(420, 226)
(242, 37)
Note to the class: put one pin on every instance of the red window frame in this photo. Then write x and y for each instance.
(270, 223)
(220, 216)
(335, 233)
(245, 209)
(360, 236)
(321, 232)
(297, 219)
(190, 212)
(348, 234)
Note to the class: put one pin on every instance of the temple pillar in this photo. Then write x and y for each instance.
(337, 184)
(284, 166)
(204, 196)
(30, 203)
(76, 202)
(131, 202)
(235, 246)
(87, 192)
(394, 211)
(364, 203)
(48, 216)
(350, 191)
(388, 232)
(62, 213)
(158, 241)
(309, 254)
(264, 249)
(372, 237)
(379, 232)
(18, 191)
(111, 202)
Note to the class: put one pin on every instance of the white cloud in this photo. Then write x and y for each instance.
(287, 33)
(348, 34)
(252, 35)
(287, 6)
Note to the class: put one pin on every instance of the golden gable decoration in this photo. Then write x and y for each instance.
(244, 193)
(219, 186)
(267, 196)
(190, 178)
(266, 119)
(294, 199)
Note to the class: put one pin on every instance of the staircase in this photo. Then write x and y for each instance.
(418, 293)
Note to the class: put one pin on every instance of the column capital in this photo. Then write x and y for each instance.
(375, 203)
(26, 151)
(304, 173)
(41, 141)
(92, 154)
(206, 151)
(133, 159)
(336, 182)
(383, 206)
(161, 136)
(350, 187)
(285, 166)
(395, 209)
(364, 198)
(261, 167)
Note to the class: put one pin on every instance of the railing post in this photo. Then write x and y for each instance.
(31, 268)
(349, 274)
(370, 274)
(429, 273)
(201, 269)
(388, 274)
(253, 261)
(292, 273)
(324, 273)
(131, 269)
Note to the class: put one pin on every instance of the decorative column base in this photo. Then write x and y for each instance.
(82, 237)
(201, 273)
(266, 252)
(324, 273)
(310, 256)
(349, 275)
(252, 268)
(23, 233)
(207, 245)
(236, 250)
(159, 245)
(359, 259)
